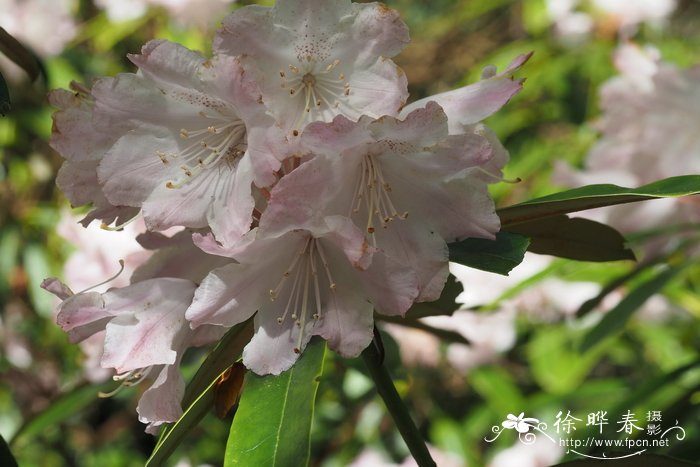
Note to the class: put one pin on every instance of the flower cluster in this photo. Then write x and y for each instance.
(311, 194)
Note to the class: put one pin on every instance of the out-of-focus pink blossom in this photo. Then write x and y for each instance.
(192, 13)
(491, 333)
(46, 26)
(99, 251)
(373, 458)
(541, 453)
(575, 19)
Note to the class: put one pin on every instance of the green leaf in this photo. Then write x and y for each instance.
(616, 318)
(500, 255)
(595, 196)
(5, 105)
(579, 239)
(6, 457)
(590, 304)
(273, 423)
(555, 361)
(61, 409)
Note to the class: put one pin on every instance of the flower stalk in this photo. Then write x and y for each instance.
(373, 357)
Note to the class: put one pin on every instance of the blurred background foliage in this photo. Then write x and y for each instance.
(653, 365)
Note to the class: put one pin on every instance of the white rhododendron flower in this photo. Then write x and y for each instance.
(140, 330)
(407, 183)
(324, 280)
(315, 60)
(311, 196)
(151, 311)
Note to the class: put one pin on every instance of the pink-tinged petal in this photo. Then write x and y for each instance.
(161, 402)
(208, 244)
(381, 29)
(473, 103)
(267, 146)
(380, 89)
(332, 138)
(302, 198)
(74, 135)
(78, 181)
(83, 315)
(231, 294)
(207, 199)
(391, 286)
(149, 323)
(132, 168)
(56, 287)
(418, 249)
(422, 127)
(347, 322)
(272, 348)
(109, 214)
(344, 235)
(168, 62)
(230, 212)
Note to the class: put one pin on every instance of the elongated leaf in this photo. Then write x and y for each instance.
(595, 196)
(273, 422)
(190, 418)
(577, 238)
(499, 256)
(6, 457)
(62, 408)
(590, 304)
(617, 317)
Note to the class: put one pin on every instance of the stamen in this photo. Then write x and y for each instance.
(121, 269)
(213, 144)
(130, 378)
(320, 88)
(121, 226)
(498, 177)
(374, 192)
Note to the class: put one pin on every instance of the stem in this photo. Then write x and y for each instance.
(373, 358)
